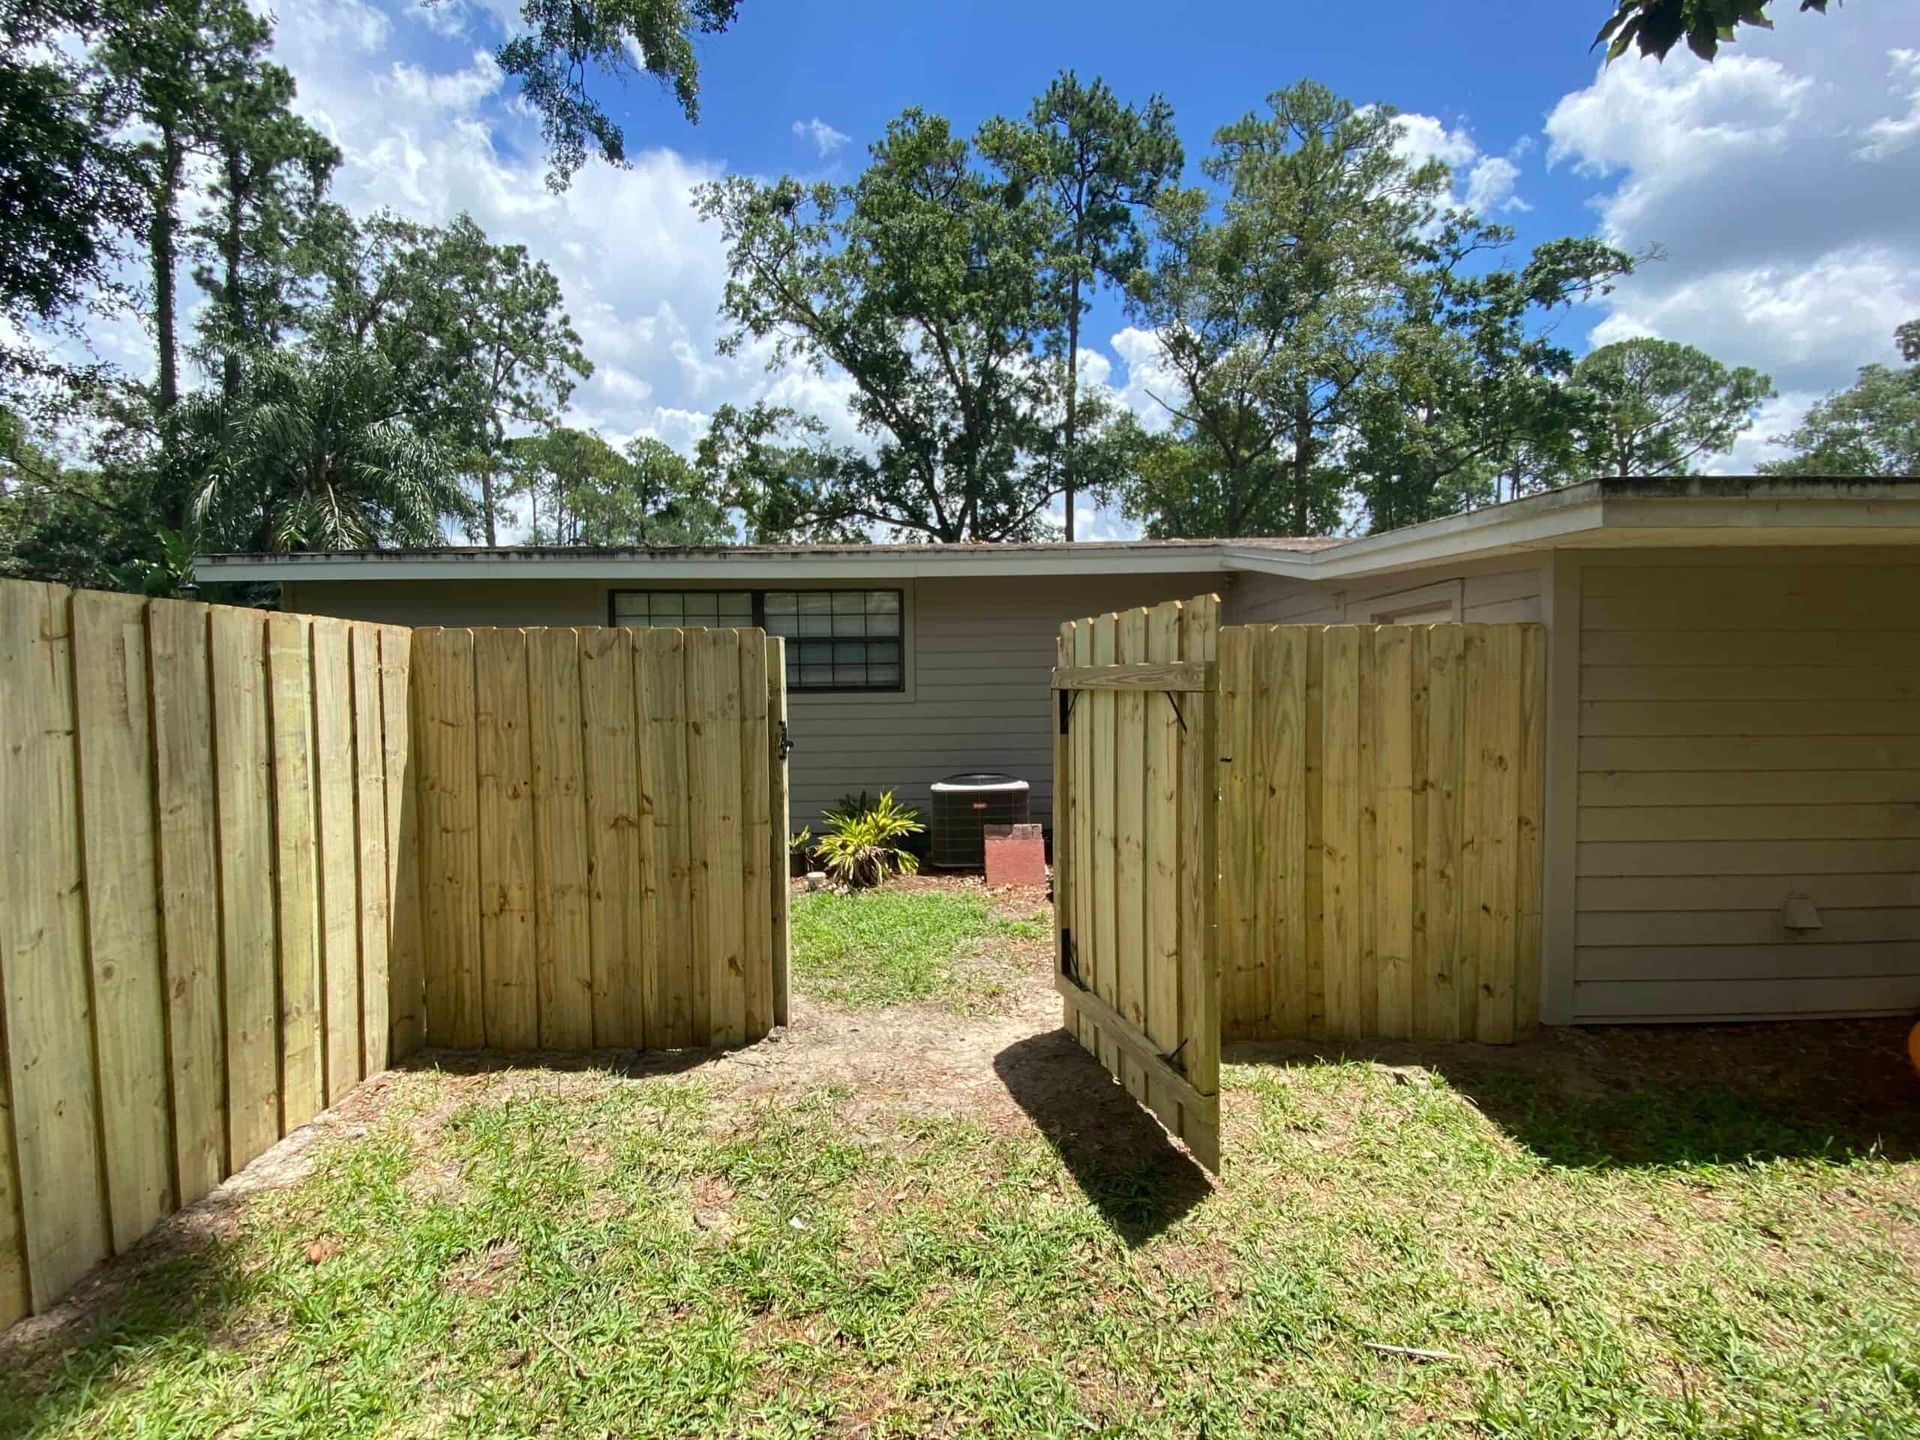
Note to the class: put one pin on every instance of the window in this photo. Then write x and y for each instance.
(683, 609)
(836, 639)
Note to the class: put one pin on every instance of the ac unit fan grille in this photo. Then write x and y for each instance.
(963, 807)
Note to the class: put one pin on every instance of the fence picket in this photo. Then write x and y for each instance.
(615, 918)
(338, 866)
(43, 962)
(243, 808)
(296, 857)
(660, 667)
(504, 770)
(115, 740)
(189, 904)
(563, 941)
(756, 831)
(406, 979)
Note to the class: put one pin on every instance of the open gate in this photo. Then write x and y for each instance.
(1134, 856)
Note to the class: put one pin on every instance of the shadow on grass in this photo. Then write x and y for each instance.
(1653, 1096)
(1133, 1172)
(180, 1288)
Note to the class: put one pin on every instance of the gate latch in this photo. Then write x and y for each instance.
(786, 742)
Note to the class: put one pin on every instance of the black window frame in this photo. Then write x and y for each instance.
(758, 600)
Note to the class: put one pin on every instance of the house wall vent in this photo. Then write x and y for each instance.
(963, 806)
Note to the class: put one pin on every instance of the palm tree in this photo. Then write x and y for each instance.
(314, 454)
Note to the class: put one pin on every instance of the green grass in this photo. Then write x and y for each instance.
(894, 946)
(594, 1254)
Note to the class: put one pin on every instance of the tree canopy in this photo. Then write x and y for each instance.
(563, 43)
(925, 282)
(1653, 27)
(1332, 339)
(1870, 428)
(1659, 406)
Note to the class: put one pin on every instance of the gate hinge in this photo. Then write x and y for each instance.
(786, 742)
(1069, 961)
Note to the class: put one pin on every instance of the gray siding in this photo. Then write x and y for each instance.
(1488, 592)
(978, 659)
(1749, 727)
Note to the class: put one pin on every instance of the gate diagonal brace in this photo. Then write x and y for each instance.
(1069, 972)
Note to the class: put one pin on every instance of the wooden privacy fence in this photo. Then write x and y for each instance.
(203, 813)
(1380, 830)
(603, 836)
(219, 911)
(1134, 856)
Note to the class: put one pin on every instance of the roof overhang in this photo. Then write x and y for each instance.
(1694, 511)
(744, 564)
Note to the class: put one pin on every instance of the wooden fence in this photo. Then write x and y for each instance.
(1134, 856)
(603, 836)
(201, 814)
(1380, 830)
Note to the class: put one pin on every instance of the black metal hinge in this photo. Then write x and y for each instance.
(1069, 962)
(786, 742)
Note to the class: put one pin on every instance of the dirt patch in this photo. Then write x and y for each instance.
(485, 1272)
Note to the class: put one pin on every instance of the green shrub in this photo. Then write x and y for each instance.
(861, 845)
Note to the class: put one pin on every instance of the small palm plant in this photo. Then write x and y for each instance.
(861, 846)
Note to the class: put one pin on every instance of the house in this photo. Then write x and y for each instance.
(1733, 694)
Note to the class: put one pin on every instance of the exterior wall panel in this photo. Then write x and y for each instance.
(1749, 729)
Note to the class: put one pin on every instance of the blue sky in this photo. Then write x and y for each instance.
(1781, 182)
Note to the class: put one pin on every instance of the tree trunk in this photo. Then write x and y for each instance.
(236, 326)
(1302, 464)
(162, 255)
(1073, 398)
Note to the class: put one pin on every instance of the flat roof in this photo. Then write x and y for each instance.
(1637, 512)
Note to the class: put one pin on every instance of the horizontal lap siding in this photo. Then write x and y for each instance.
(1493, 592)
(1748, 731)
(982, 656)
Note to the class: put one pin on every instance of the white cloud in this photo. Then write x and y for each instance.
(1424, 138)
(1779, 186)
(461, 91)
(1891, 133)
(1776, 417)
(1149, 379)
(641, 273)
(824, 138)
(1490, 179)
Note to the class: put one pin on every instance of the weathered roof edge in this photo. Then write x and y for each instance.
(1660, 510)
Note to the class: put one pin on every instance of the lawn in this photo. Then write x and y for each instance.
(949, 945)
(844, 1232)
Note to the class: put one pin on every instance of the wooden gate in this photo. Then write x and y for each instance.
(603, 836)
(1380, 798)
(1134, 864)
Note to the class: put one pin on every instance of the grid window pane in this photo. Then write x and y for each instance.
(677, 609)
(838, 639)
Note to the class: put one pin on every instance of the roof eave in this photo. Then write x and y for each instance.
(904, 564)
